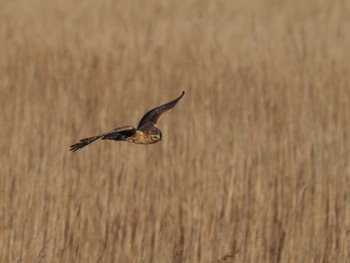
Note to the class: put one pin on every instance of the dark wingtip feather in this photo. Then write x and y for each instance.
(175, 101)
(82, 143)
(77, 146)
(179, 98)
(182, 94)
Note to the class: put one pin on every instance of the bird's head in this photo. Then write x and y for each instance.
(156, 135)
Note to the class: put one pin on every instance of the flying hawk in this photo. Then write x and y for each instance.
(146, 132)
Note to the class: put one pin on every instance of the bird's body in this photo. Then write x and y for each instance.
(147, 131)
(140, 137)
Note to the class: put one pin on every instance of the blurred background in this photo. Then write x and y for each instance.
(254, 161)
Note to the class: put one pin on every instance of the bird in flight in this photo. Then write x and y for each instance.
(146, 132)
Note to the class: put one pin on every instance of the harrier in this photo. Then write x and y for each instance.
(146, 132)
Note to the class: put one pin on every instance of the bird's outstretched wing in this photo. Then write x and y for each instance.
(117, 134)
(155, 114)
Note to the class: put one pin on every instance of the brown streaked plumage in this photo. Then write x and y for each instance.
(146, 132)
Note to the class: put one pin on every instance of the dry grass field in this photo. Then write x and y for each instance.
(254, 165)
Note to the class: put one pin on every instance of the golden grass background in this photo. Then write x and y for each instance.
(254, 162)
